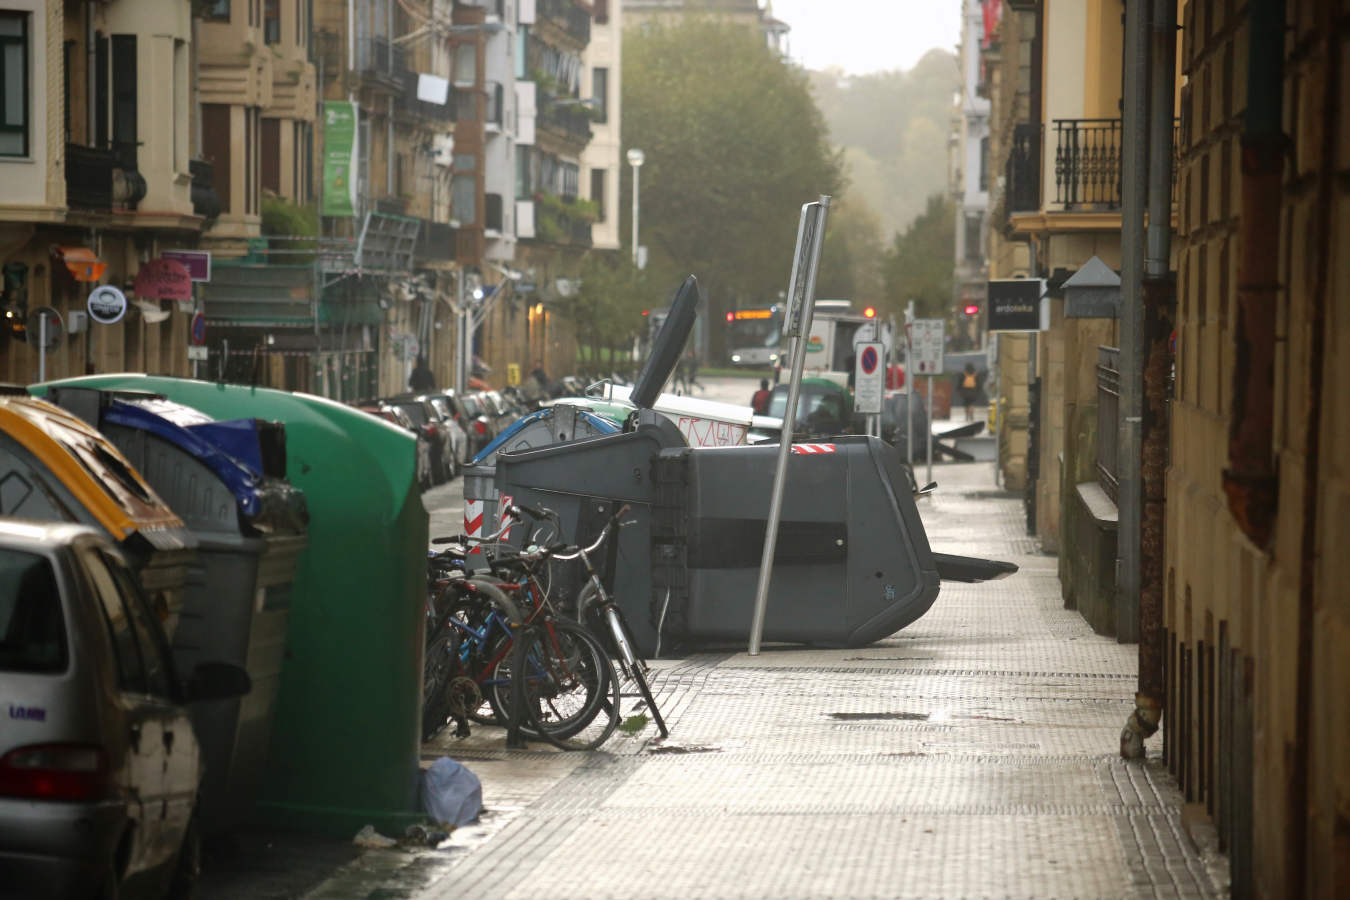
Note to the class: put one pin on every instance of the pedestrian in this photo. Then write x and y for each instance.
(970, 384)
(760, 401)
(421, 380)
(541, 378)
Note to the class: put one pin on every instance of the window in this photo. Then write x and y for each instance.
(974, 246)
(464, 199)
(598, 192)
(216, 148)
(466, 64)
(13, 84)
(271, 156)
(32, 628)
(524, 181)
(124, 112)
(149, 638)
(130, 670)
(984, 163)
(217, 11)
(272, 21)
(600, 94)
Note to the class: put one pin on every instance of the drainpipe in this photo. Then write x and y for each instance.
(1134, 154)
(1159, 298)
(91, 85)
(1302, 804)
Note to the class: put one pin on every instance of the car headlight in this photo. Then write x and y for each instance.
(735, 357)
(773, 357)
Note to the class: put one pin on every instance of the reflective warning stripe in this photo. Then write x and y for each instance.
(505, 501)
(808, 449)
(473, 519)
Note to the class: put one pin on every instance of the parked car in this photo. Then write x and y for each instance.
(396, 416)
(506, 414)
(425, 418)
(448, 410)
(99, 765)
(480, 422)
(824, 408)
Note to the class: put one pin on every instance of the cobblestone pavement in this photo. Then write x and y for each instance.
(973, 754)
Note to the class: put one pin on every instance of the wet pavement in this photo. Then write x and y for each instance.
(972, 754)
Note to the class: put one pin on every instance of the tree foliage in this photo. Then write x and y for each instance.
(919, 264)
(607, 307)
(734, 145)
(851, 260)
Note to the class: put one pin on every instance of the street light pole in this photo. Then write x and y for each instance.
(635, 159)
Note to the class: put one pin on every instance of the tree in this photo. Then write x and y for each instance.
(921, 261)
(734, 146)
(851, 260)
(607, 307)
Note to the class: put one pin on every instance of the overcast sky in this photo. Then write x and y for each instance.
(861, 36)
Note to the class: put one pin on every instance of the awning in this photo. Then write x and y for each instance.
(82, 263)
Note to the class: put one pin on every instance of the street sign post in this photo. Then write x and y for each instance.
(927, 337)
(868, 378)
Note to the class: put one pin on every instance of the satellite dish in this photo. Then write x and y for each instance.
(55, 328)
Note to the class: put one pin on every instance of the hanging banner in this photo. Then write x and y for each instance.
(340, 158)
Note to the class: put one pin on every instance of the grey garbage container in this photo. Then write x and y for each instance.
(227, 482)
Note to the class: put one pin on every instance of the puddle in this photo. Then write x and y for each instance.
(669, 747)
(987, 718)
(879, 716)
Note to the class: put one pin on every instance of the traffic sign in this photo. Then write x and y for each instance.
(198, 329)
(868, 377)
(925, 346)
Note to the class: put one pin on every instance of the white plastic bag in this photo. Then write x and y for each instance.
(451, 793)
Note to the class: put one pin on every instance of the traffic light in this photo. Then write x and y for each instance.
(972, 309)
(731, 317)
(870, 312)
(646, 312)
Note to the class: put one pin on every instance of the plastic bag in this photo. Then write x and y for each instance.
(451, 793)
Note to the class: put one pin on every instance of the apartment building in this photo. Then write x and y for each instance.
(99, 174)
(971, 180)
(750, 13)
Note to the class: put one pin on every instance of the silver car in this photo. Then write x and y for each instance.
(99, 765)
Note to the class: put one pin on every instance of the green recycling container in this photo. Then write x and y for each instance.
(345, 738)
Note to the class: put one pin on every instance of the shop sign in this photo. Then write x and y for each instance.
(107, 305)
(163, 279)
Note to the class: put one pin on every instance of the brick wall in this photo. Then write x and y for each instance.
(1232, 608)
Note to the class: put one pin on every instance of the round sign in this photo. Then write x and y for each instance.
(55, 327)
(107, 304)
(198, 329)
(869, 360)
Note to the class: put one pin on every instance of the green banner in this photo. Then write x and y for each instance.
(339, 158)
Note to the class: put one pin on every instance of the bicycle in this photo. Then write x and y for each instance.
(594, 602)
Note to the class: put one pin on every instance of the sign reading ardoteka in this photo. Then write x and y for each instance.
(1018, 304)
(106, 304)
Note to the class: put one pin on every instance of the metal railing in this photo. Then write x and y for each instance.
(205, 200)
(409, 102)
(89, 177)
(571, 121)
(566, 15)
(435, 241)
(1108, 420)
(1024, 169)
(1088, 162)
(380, 56)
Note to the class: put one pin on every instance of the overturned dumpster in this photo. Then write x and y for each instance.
(852, 563)
(345, 735)
(55, 467)
(228, 482)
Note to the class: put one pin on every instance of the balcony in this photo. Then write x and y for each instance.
(561, 220)
(436, 241)
(205, 201)
(492, 214)
(383, 61)
(1088, 163)
(99, 179)
(566, 119)
(409, 102)
(566, 16)
(1024, 170)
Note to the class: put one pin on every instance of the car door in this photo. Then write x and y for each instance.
(142, 770)
(182, 765)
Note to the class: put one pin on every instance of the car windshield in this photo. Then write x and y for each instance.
(32, 628)
(810, 403)
(414, 411)
(471, 407)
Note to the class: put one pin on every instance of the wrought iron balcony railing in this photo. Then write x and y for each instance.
(569, 120)
(382, 58)
(1089, 162)
(205, 200)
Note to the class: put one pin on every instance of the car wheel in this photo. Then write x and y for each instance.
(187, 870)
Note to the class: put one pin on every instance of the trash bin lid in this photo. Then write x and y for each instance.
(93, 470)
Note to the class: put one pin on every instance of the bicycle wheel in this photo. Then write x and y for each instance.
(541, 706)
(634, 666)
(438, 668)
(564, 674)
(480, 617)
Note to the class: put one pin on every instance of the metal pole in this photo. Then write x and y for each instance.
(802, 339)
(636, 181)
(929, 419)
(1134, 153)
(909, 388)
(461, 327)
(42, 346)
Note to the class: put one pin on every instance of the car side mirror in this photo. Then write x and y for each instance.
(217, 681)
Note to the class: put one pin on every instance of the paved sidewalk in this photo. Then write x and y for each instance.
(973, 754)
